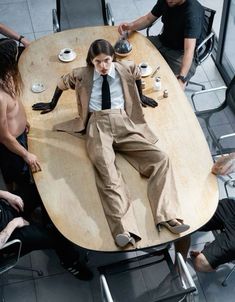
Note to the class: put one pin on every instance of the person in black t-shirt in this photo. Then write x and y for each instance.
(222, 249)
(182, 31)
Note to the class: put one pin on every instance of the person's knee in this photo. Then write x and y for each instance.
(201, 264)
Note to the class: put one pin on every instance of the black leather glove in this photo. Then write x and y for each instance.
(47, 107)
(146, 101)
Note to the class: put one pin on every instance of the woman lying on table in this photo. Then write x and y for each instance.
(109, 96)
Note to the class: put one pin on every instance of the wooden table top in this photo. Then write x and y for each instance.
(67, 183)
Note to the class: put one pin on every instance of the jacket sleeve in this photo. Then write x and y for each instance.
(68, 81)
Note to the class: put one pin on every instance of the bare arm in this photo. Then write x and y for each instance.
(17, 203)
(10, 33)
(140, 23)
(18, 222)
(10, 142)
(224, 165)
(189, 47)
(14, 200)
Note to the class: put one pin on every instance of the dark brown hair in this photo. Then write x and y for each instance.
(98, 47)
(10, 79)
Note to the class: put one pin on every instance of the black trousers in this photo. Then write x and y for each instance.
(222, 249)
(39, 237)
(15, 169)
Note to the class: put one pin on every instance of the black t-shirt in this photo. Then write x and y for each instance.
(179, 22)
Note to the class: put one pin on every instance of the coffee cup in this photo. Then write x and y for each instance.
(66, 53)
(143, 67)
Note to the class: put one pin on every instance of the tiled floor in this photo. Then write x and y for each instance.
(33, 19)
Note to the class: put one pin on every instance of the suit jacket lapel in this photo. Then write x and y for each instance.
(127, 84)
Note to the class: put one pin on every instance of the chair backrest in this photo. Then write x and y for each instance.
(79, 13)
(9, 255)
(230, 95)
(170, 285)
(205, 48)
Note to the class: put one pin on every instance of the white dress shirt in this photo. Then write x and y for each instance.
(116, 93)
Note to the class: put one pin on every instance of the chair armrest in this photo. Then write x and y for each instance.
(226, 136)
(229, 183)
(56, 26)
(208, 52)
(186, 278)
(105, 292)
(10, 254)
(149, 27)
(204, 92)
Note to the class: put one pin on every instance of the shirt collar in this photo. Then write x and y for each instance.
(111, 73)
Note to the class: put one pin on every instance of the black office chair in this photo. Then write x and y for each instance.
(9, 257)
(172, 284)
(70, 14)
(204, 49)
(206, 115)
(228, 183)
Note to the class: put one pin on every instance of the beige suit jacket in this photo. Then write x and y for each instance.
(81, 79)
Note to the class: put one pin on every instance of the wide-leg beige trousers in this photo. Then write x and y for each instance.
(111, 131)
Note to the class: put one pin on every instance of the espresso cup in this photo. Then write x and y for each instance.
(143, 67)
(66, 53)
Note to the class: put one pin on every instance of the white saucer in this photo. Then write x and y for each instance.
(73, 56)
(38, 87)
(148, 71)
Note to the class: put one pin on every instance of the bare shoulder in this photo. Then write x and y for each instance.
(2, 103)
(4, 99)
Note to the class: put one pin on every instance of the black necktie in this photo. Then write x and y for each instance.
(106, 99)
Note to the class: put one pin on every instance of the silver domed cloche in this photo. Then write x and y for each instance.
(123, 47)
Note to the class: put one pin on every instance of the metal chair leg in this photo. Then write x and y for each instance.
(197, 84)
(224, 282)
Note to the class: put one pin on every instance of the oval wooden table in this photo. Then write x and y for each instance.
(66, 182)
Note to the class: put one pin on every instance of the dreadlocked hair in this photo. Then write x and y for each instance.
(10, 78)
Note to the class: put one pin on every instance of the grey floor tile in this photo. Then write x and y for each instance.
(62, 288)
(212, 288)
(43, 34)
(20, 292)
(144, 7)
(206, 101)
(41, 14)
(16, 15)
(128, 286)
(18, 275)
(12, 1)
(124, 9)
(230, 116)
(200, 75)
(210, 70)
(201, 237)
(47, 261)
(199, 296)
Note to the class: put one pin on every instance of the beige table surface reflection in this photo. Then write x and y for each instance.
(66, 182)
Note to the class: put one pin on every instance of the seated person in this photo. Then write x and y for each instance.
(16, 162)
(109, 99)
(37, 236)
(182, 31)
(222, 249)
(10, 33)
